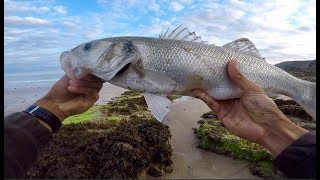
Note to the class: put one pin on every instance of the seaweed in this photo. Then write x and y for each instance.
(290, 107)
(263, 169)
(216, 138)
(122, 140)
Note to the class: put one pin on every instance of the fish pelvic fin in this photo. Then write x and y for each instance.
(181, 33)
(244, 45)
(158, 105)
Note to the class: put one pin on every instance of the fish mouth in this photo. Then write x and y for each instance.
(70, 66)
(123, 70)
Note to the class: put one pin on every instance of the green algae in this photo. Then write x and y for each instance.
(115, 118)
(130, 103)
(263, 169)
(83, 117)
(216, 138)
(122, 108)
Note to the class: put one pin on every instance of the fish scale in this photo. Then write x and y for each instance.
(163, 66)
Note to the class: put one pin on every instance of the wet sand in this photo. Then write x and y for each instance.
(191, 162)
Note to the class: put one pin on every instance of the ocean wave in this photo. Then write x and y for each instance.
(33, 81)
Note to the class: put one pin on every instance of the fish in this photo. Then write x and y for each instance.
(177, 62)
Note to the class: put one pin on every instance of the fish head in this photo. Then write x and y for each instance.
(102, 58)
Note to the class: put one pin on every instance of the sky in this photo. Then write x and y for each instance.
(36, 32)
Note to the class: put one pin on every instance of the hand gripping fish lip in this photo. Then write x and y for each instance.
(70, 66)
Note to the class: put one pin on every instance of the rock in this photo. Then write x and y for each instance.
(209, 115)
(263, 169)
(201, 121)
(168, 169)
(155, 171)
(295, 110)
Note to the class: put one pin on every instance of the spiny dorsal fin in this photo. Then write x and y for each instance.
(244, 45)
(181, 33)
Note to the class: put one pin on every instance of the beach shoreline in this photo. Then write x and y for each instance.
(18, 97)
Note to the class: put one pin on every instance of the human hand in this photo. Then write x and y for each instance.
(69, 97)
(253, 116)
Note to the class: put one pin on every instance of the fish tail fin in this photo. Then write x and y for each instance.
(307, 98)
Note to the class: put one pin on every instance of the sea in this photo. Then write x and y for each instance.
(22, 87)
(31, 78)
(27, 74)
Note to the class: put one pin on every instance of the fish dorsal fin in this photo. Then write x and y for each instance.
(244, 45)
(181, 33)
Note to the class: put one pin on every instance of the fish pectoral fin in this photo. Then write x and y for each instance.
(181, 33)
(157, 78)
(158, 105)
(244, 45)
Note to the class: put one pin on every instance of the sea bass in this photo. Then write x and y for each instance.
(178, 62)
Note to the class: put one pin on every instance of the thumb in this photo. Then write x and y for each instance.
(237, 78)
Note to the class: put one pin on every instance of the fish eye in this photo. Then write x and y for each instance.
(87, 46)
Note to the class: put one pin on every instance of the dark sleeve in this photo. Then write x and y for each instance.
(24, 138)
(299, 159)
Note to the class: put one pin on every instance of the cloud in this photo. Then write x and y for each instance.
(36, 31)
(23, 6)
(25, 21)
(60, 9)
(138, 7)
(267, 24)
(235, 14)
(176, 6)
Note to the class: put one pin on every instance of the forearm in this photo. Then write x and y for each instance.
(293, 147)
(24, 138)
(281, 134)
(299, 159)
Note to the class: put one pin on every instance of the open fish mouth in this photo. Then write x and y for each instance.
(123, 70)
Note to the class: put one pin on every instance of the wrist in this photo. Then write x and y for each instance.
(52, 107)
(45, 124)
(280, 135)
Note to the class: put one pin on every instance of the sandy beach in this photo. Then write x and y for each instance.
(18, 97)
(189, 161)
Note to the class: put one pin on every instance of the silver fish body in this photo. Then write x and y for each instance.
(170, 66)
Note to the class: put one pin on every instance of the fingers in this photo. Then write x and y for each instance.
(237, 78)
(213, 104)
(91, 77)
(91, 93)
(65, 77)
(89, 84)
